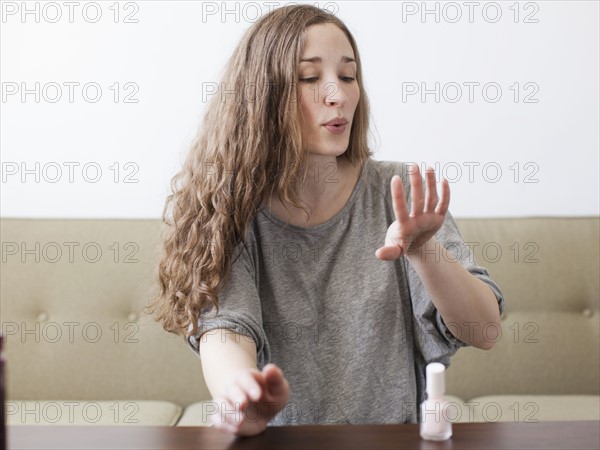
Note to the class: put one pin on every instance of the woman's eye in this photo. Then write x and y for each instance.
(314, 79)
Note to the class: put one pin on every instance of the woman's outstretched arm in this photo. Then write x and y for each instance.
(245, 398)
(467, 304)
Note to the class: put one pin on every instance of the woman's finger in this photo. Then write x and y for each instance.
(417, 197)
(231, 416)
(444, 203)
(431, 195)
(274, 379)
(226, 413)
(389, 253)
(398, 200)
(248, 381)
(237, 396)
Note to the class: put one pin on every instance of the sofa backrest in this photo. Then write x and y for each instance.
(73, 291)
(73, 294)
(548, 270)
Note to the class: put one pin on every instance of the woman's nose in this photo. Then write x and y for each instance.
(334, 93)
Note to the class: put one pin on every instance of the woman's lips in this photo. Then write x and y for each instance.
(336, 129)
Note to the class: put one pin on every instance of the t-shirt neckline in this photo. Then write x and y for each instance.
(325, 225)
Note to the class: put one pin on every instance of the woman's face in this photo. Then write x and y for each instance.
(328, 90)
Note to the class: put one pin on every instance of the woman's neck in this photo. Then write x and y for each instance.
(328, 187)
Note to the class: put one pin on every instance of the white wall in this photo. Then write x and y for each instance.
(546, 148)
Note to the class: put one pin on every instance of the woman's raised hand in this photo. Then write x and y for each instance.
(251, 401)
(409, 232)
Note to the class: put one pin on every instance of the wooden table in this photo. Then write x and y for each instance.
(543, 435)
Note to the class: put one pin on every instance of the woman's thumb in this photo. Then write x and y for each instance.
(273, 377)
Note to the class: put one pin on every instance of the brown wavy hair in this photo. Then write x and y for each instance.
(248, 144)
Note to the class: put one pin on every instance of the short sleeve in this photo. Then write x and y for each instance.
(239, 308)
(433, 337)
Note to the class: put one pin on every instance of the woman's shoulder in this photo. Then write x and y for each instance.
(381, 173)
(387, 167)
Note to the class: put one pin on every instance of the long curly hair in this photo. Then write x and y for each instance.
(248, 144)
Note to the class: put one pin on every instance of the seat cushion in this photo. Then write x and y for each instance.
(79, 412)
(533, 408)
(457, 410)
(197, 414)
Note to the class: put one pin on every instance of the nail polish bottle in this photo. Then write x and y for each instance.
(435, 425)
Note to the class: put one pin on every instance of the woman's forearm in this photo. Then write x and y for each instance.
(467, 304)
(224, 354)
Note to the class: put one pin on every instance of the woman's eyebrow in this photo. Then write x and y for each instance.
(317, 59)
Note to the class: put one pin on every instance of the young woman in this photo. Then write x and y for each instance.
(292, 264)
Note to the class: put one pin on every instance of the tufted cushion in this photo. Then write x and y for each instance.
(197, 414)
(533, 408)
(71, 412)
(75, 328)
(550, 342)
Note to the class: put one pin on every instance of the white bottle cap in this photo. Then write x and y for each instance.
(436, 385)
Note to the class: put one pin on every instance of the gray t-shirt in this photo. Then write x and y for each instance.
(351, 333)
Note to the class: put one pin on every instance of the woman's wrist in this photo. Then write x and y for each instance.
(420, 253)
